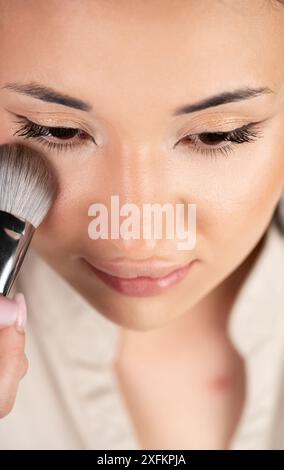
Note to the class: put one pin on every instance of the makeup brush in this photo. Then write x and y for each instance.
(27, 190)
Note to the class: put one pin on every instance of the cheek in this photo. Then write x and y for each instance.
(240, 201)
(66, 224)
(63, 227)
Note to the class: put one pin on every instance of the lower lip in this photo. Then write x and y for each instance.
(143, 286)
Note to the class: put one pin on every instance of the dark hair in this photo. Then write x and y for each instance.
(278, 215)
(279, 211)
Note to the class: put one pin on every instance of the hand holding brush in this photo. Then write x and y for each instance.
(27, 190)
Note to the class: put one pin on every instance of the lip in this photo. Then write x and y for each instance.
(141, 280)
(131, 269)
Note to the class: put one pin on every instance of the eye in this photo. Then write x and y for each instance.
(59, 138)
(214, 143)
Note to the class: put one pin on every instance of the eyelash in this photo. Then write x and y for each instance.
(245, 134)
(31, 130)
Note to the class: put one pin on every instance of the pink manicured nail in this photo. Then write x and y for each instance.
(8, 311)
(22, 313)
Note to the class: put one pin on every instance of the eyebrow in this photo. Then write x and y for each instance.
(43, 93)
(223, 98)
(47, 94)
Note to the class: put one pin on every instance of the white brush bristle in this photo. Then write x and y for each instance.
(27, 183)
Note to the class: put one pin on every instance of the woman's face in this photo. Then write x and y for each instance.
(135, 64)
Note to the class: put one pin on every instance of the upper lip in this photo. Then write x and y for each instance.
(132, 269)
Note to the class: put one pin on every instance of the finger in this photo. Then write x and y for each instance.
(13, 360)
(13, 366)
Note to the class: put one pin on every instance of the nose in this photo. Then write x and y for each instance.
(137, 250)
(142, 249)
(138, 172)
(139, 177)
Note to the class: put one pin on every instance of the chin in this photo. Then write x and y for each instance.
(134, 314)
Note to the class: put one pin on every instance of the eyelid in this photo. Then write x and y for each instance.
(39, 134)
(218, 124)
(49, 122)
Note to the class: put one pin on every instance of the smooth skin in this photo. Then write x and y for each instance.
(135, 63)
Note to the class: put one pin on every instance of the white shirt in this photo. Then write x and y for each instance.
(69, 398)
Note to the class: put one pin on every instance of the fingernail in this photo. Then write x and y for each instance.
(8, 311)
(21, 320)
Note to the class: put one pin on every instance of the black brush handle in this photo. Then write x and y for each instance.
(15, 237)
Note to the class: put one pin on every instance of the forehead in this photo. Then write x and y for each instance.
(139, 47)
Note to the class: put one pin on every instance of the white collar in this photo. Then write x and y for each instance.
(256, 328)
